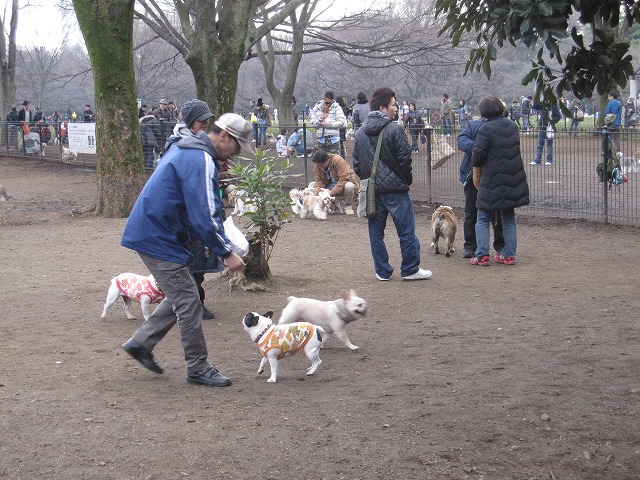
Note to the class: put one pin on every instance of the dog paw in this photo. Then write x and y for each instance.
(132, 317)
(354, 347)
(260, 371)
(271, 380)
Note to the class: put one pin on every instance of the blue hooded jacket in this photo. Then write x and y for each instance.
(466, 141)
(179, 202)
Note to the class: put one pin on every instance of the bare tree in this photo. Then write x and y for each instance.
(39, 65)
(214, 37)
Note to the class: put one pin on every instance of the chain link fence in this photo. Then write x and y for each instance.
(568, 188)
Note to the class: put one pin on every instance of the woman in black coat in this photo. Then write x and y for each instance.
(499, 176)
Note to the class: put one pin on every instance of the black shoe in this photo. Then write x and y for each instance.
(143, 355)
(210, 378)
(467, 254)
(206, 314)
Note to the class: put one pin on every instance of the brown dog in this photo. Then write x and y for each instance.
(443, 224)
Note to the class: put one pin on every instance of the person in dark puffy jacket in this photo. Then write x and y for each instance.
(148, 129)
(466, 141)
(499, 176)
(392, 181)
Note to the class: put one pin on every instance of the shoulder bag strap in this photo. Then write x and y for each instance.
(376, 157)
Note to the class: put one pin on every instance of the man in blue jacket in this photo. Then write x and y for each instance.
(179, 202)
(614, 107)
(466, 142)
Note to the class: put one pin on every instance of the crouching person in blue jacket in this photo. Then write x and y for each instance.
(179, 203)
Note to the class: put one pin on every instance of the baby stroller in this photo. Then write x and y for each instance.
(31, 144)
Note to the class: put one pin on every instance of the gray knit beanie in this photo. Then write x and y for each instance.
(193, 110)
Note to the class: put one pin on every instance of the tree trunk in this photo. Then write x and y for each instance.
(257, 263)
(107, 28)
(8, 61)
(218, 47)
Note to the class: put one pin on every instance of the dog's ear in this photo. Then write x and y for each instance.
(269, 314)
(250, 320)
(345, 295)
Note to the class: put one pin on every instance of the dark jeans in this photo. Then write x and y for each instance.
(470, 219)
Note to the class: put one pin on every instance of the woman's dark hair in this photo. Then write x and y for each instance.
(491, 106)
(381, 97)
(362, 98)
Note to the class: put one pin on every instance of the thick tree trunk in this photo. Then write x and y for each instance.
(219, 42)
(107, 27)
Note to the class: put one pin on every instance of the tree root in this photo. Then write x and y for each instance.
(90, 208)
(238, 280)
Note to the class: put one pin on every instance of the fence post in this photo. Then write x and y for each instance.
(429, 132)
(605, 170)
(304, 146)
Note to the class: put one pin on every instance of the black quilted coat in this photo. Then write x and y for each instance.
(394, 167)
(503, 184)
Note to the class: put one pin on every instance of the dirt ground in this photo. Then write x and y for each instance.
(525, 372)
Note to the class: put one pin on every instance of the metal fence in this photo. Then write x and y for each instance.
(569, 188)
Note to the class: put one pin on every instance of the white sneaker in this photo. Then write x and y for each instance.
(348, 211)
(381, 278)
(548, 163)
(419, 275)
(534, 163)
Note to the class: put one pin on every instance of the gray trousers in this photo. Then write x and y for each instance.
(182, 305)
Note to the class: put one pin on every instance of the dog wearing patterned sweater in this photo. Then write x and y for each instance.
(278, 341)
(138, 288)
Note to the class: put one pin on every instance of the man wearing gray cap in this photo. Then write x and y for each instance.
(179, 203)
(165, 113)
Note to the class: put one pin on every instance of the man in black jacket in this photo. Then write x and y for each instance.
(392, 181)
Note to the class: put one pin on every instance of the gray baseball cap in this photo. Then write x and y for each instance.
(238, 128)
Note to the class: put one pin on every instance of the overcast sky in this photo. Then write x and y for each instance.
(43, 25)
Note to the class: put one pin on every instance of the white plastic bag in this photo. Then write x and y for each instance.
(239, 243)
(551, 133)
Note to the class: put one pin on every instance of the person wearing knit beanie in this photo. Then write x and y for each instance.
(195, 110)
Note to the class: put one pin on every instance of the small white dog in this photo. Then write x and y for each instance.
(296, 195)
(138, 288)
(333, 316)
(68, 155)
(241, 206)
(443, 224)
(276, 342)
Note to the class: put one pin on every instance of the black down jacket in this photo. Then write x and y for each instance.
(394, 167)
(503, 184)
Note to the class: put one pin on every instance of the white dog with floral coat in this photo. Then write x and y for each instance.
(278, 341)
(134, 287)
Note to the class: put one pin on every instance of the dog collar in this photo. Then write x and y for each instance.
(262, 333)
(343, 313)
(158, 289)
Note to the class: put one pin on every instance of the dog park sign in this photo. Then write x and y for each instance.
(82, 137)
